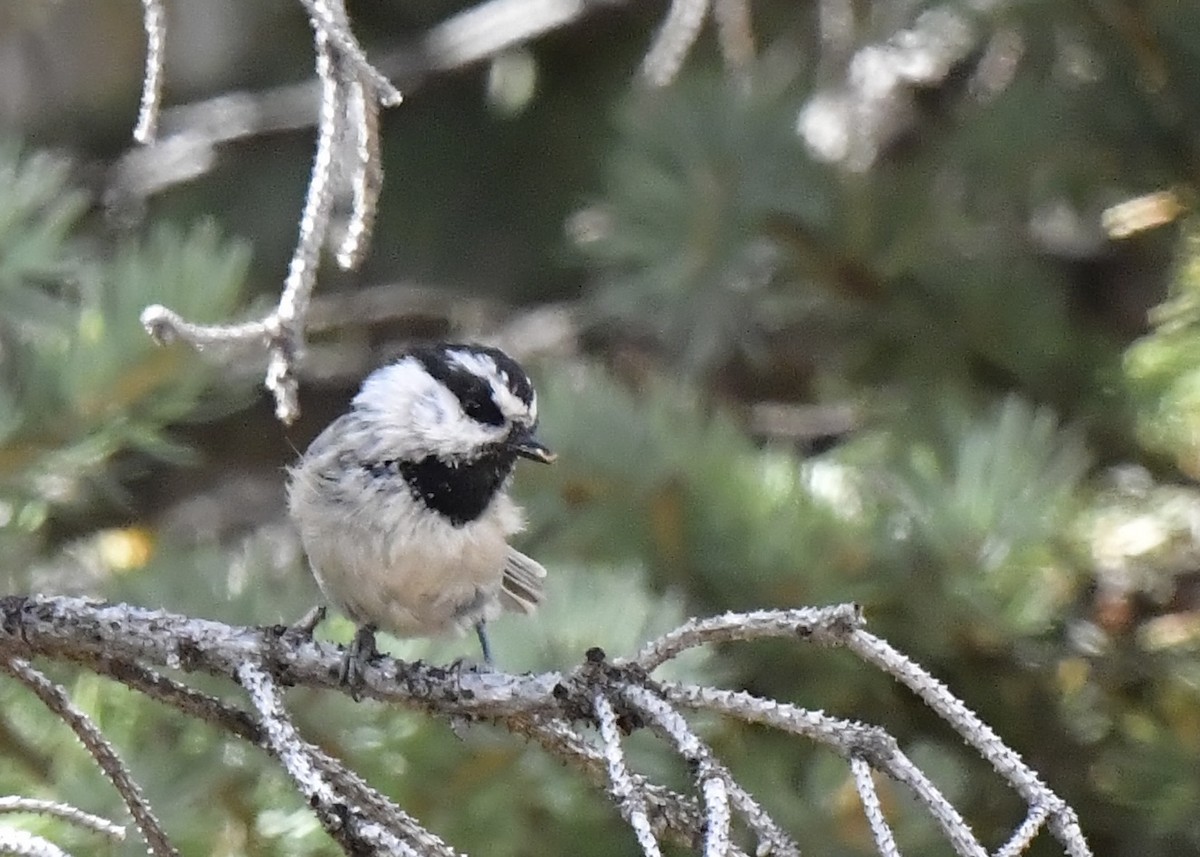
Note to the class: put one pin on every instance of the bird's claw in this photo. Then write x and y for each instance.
(359, 654)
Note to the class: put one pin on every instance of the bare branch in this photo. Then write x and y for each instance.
(193, 131)
(818, 624)
(74, 815)
(885, 840)
(154, 20)
(672, 816)
(735, 34)
(1024, 835)
(24, 844)
(716, 810)
(853, 119)
(979, 735)
(166, 326)
(675, 38)
(357, 163)
(59, 626)
(695, 752)
(55, 698)
(1064, 824)
(237, 722)
(630, 800)
(850, 739)
(117, 640)
(289, 316)
(485, 30)
(329, 18)
(363, 161)
(346, 109)
(348, 824)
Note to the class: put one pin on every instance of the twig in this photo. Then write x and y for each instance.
(885, 841)
(676, 35)
(629, 798)
(329, 18)
(193, 131)
(55, 698)
(237, 722)
(288, 336)
(672, 816)
(357, 163)
(118, 640)
(483, 31)
(817, 624)
(344, 75)
(978, 734)
(1024, 835)
(74, 815)
(851, 740)
(364, 163)
(344, 822)
(735, 34)
(22, 843)
(671, 724)
(154, 20)
(716, 810)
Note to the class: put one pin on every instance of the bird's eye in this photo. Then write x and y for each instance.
(483, 410)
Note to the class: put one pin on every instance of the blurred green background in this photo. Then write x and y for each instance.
(906, 312)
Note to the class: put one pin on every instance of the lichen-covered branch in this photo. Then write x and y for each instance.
(676, 35)
(22, 843)
(155, 22)
(1007, 762)
(68, 813)
(885, 840)
(817, 624)
(347, 823)
(56, 699)
(351, 90)
(630, 800)
(616, 697)
(670, 723)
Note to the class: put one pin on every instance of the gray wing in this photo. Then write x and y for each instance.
(523, 586)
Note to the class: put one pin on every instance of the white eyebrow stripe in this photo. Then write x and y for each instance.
(480, 364)
(485, 367)
(510, 405)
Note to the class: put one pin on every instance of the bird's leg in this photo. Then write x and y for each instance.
(359, 654)
(484, 643)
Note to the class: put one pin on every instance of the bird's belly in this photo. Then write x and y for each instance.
(412, 584)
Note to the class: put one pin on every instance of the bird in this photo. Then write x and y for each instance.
(403, 506)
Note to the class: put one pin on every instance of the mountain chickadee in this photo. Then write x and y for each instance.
(402, 503)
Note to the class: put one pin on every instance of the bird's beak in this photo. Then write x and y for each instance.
(524, 444)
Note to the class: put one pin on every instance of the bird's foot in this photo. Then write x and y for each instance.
(463, 664)
(359, 654)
